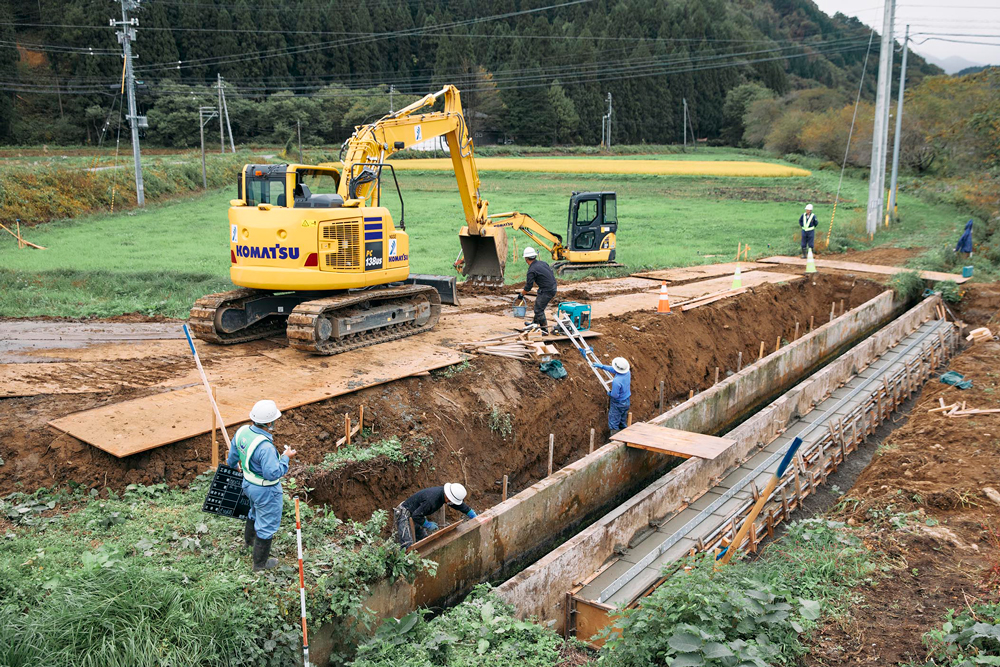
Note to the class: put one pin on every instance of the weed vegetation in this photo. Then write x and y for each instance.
(389, 448)
(967, 638)
(160, 259)
(146, 579)
(907, 285)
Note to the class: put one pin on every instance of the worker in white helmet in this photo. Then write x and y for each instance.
(541, 273)
(807, 223)
(426, 503)
(253, 449)
(620, 393)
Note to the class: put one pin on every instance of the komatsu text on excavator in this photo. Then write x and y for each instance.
(317, 256)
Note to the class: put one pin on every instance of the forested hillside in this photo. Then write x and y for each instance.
(534, 72)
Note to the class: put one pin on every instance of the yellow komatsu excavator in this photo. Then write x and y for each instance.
(332, 270)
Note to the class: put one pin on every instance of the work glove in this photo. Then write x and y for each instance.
(471, 514)
(429, 526)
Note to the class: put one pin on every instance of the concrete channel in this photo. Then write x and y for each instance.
(559, 532)
(700, 504)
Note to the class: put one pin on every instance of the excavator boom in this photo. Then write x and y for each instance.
(484, 246)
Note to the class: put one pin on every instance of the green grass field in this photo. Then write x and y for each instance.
(159, 260)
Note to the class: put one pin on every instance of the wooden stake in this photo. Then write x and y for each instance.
(691, 394)
(841, 306)
(591, 450)
(20, 241)
(215, 442)
(761, 355)
(739, 362)
(347, 428)
(361, 417)
(811, 318)
(716, 375)
(777, 344)
(661, 408)
(629, 422)
(833, 310)
(552, 448)
(796, 337)
(739, 249)
(504, 494)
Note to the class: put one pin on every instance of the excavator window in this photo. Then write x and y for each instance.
(610, 210)
(265, 190)
(586, 212)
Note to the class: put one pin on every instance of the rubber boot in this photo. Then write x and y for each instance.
(261, 551)
(803, 253)
(248, 534)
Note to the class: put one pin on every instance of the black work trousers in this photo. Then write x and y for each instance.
(541, 301)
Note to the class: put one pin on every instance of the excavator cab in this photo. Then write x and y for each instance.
(592, 226)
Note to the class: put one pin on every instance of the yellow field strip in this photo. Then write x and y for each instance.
(601, 166)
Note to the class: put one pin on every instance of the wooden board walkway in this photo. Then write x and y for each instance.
(698, 272)
(858, 267)
(672, 441)
(141, 424)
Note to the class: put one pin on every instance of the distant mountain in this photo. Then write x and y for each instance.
(954, 64)
(973, 70)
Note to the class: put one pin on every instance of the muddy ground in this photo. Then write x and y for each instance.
(445, 418)
(934, 469)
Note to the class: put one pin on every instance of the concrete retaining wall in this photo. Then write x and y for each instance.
(540, 590)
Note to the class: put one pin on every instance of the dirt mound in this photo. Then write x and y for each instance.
(928, 477)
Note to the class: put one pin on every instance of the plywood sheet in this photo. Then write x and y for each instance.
(288, 377)
(859, 267)
(673, 441)
(697, 272)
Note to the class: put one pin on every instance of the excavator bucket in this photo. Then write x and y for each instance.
(485, 256)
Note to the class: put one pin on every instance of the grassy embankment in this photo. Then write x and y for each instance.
(160, 259)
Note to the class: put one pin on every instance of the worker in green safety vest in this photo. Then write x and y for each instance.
(253, 448)
(807, 223)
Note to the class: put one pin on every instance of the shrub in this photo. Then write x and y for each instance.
(950, 291)
(907, 285)
(971, 638)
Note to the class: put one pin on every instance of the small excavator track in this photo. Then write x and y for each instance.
(203, 317)
(305, 320)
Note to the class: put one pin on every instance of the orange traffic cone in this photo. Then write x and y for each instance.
(664, 304)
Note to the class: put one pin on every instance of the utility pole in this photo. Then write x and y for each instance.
(392, 89)
(229, 128)
(879, 135)
(899, 125)
(888, 107)
(606, 126)
(298, 130)
(222, 129)
(684, 99)
(125, 37)
(205, 114)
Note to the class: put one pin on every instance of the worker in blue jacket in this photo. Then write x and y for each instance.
(620, 393)
(253, 449)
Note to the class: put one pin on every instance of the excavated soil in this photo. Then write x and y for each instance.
(948, 556)
(445, 418)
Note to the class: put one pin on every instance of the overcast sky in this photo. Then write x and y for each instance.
(965, 18)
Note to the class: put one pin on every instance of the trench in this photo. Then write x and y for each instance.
(517, 537)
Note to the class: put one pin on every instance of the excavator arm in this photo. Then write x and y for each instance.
(534, 230)
(484, 247)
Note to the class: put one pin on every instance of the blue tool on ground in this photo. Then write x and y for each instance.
(579, 313)
(772, 484)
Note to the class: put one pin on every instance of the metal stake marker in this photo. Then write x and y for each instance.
(302, 586)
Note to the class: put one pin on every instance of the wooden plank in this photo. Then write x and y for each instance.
(672, 441)
(859, 267)
(434, 537)
(288, 377)
(698, 303)
(698, 272)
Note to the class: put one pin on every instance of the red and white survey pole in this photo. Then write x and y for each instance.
(302, 586)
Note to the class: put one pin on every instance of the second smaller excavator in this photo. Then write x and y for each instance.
(591, 232)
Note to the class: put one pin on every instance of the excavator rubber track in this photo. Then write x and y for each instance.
(203, 317)
(305, 322)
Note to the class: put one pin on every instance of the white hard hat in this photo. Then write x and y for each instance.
(529, 253)
(455, 493)
(620, 364)
(264, 412)
(809, 207)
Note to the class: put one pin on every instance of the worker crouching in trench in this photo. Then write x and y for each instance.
(410, 516)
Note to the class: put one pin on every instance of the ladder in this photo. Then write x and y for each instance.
(566, 324)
